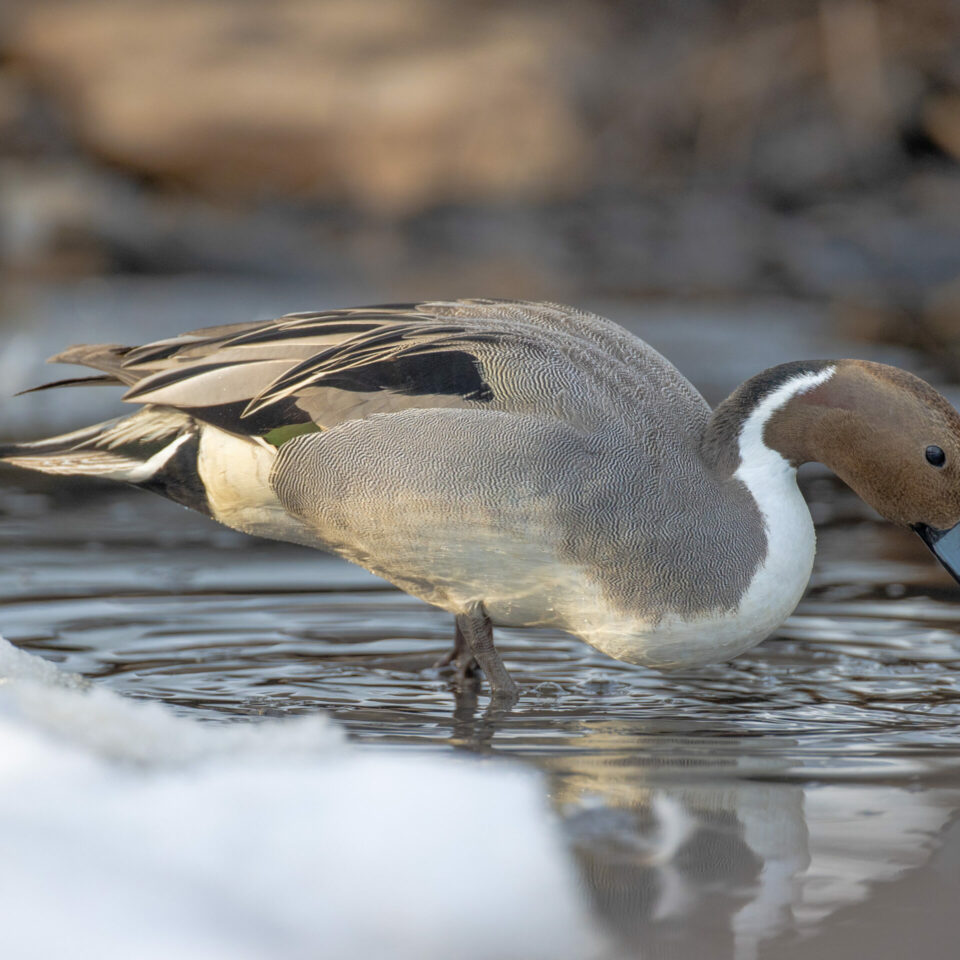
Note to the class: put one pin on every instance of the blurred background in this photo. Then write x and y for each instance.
(794, 165)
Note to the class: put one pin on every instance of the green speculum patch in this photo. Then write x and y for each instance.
(280, 435)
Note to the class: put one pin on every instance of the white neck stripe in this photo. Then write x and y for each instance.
(782, 576)
(752, 447)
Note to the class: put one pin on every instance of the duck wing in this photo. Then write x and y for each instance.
(311, 371)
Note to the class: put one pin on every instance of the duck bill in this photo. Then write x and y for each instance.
(945, 545)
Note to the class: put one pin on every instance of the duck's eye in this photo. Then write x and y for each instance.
(936, 456)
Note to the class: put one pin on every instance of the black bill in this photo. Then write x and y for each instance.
(945, 545)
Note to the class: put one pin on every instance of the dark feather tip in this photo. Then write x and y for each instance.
(104, 381)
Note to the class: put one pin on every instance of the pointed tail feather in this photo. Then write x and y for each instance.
(154, 449)
(106, 357)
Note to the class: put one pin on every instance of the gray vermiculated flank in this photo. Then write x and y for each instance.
(588, 452)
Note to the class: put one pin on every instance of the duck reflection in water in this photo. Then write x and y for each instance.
(732, 857)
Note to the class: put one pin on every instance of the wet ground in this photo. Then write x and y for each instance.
(802, 801)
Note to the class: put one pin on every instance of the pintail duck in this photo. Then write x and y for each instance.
(521, 464)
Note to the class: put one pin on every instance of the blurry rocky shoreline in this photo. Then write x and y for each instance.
(567, 150)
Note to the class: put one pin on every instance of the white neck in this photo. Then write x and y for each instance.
(781, 579)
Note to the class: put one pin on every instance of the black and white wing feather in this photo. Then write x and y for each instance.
(313, 371)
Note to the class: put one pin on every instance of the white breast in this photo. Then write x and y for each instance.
(776, 587)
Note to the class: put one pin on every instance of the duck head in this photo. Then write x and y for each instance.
(886, 433)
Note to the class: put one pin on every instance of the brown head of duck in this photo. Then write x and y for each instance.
(886, 433)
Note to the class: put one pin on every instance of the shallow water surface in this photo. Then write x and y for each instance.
(801, 801)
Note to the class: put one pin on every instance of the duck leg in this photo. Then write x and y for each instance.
(477, 630)
(460, 657)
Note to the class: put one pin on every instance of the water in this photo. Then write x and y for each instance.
(800, 801)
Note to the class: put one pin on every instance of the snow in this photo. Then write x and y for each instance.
(128, 831)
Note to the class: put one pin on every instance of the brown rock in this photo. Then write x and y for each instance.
(391, 104)
(941, 120)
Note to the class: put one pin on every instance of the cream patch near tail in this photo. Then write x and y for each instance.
(235, 472)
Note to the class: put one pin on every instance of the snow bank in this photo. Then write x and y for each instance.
(127, 831)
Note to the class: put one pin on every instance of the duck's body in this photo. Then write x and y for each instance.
(514, 463)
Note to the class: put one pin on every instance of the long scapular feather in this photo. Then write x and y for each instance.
(106, 380)
(365, 349)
